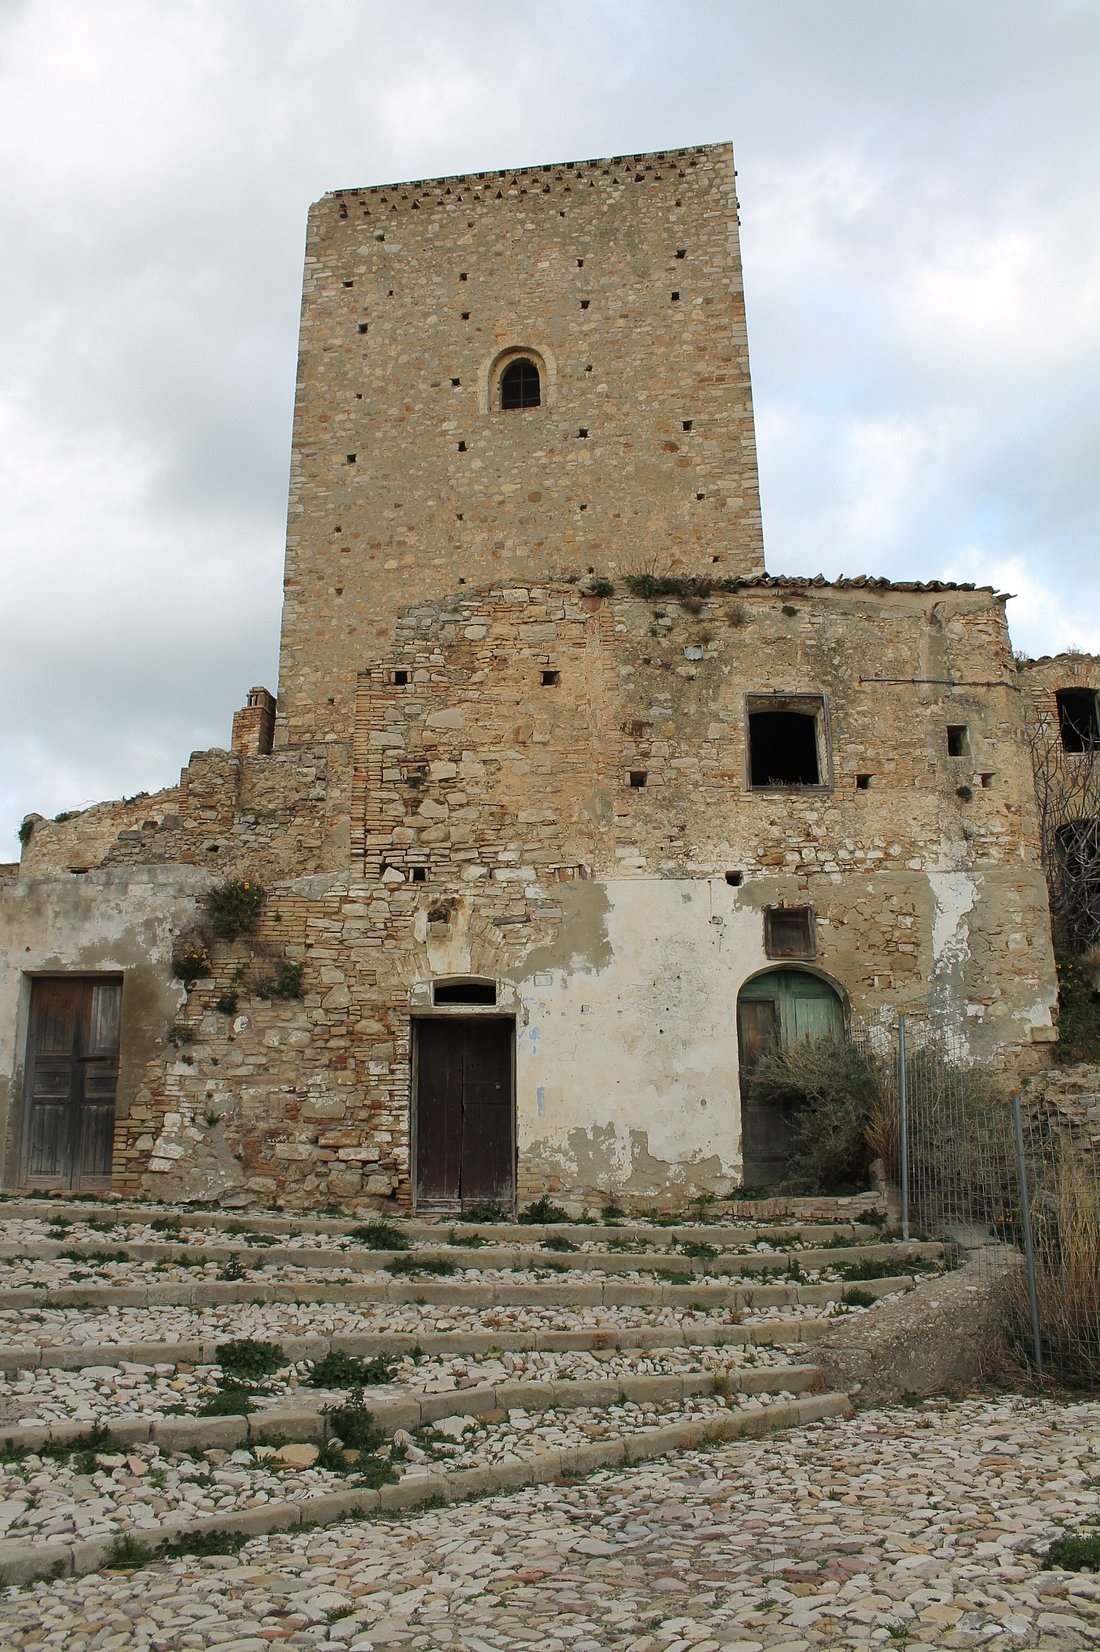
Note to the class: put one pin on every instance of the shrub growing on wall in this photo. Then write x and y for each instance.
(234, 907)
(190, 959)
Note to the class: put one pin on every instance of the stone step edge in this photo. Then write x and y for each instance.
(306, 1422)
(638, 1339)
(417, 1228)
(538, 1293)
(24, 1562)
(491, 1256)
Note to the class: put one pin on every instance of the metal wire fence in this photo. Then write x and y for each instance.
(1014, 1184)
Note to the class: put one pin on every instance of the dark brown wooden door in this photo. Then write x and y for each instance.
(464, 1113)
(72, 1078)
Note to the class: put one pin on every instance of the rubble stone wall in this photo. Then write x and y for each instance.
(623, 279)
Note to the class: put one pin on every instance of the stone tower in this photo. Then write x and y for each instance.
(619, 282)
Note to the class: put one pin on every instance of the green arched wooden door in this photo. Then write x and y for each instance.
(775, 1011)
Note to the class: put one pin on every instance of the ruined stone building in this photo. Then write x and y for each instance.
(567, 808)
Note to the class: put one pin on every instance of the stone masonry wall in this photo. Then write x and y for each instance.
(623, 277)
(604, 910)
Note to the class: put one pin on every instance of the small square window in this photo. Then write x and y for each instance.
(419, 874)
(987, 781)
(789, 931)
(958, 740)
(401, 678)
(638, 778)
(735, 879)
(863, 782)
(551, 679)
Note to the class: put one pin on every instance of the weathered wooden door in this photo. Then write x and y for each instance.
(72, 1078)
(775, 1011)
(465, 1137)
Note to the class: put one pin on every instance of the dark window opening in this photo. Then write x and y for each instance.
(687, 424)
(455, 383)
(582, 431)
(363, 326)
(863, 782)
(419, 874)
(987, 781)
(401, 678)
(351, 458)
(676, 298)
(464, 992)
(783, 748)
(520, 385)
(735, 879)
(462, 447)
(957, 740)
(789, 931)
(638, 778)
(465, 315)
(1079, 718)
(681, 252)
(551, 679)
(585, 303)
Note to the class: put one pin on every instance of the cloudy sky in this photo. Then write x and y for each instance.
(918, 182)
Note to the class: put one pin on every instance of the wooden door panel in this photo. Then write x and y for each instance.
(487, 1151)
(758, 1030)
(439, 1062)
(464, 1110)
(72, 1079)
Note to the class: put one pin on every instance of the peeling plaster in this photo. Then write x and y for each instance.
(954, 897)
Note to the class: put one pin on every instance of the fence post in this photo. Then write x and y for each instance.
(903, 1127)
(1029, 1243)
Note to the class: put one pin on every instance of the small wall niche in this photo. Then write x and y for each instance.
(958, 740)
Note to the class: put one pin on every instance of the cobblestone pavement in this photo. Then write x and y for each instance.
(914, 1527)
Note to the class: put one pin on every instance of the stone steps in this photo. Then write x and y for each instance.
(23, 1560)
(707, 1231)
(636, 1339)
(533, 1293)
(483, 1258)
(539, 1424)
(300, 1416)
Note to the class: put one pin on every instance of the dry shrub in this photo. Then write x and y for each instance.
(832, 1090)
(1067, 1263)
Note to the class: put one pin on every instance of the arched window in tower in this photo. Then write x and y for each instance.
(520, 385)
